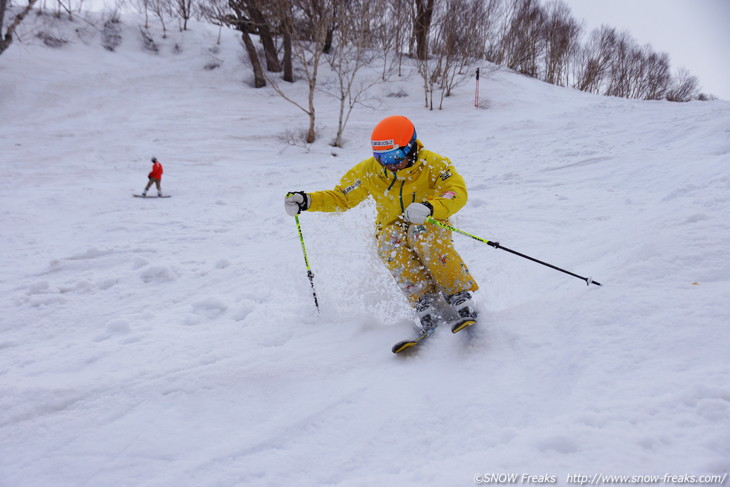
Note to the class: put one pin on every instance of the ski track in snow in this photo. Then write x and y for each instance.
(175, 342)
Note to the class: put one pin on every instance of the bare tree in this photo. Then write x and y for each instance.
(239, 21)
(685, 87)
(7, 38)
(622, 62)
(144, 7)
(493, 26)
(184, 9)
(657, 76)
(497, 48)
(457, 39)
(422, 26)
(283, 12)
(388, 32)
(523, 43)
(352, 41)
(636, 76)
(336, 6)
(261, 24)
(214, 11)
(595, 59)
(263, 19)
(463, 39)
(65, 7)
(161, 8)
(430, 70)
(315, 16)
(561, 34)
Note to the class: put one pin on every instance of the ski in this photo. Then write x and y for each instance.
(404, 345)
(408, 344)
(151, 196)
(461, 325)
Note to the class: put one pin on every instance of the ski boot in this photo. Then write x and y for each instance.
(462, 303)
(426, 311)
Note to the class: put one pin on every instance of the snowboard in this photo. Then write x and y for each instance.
(151, 196)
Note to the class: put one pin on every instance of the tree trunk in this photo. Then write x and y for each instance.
(258, 71)
(330, 36)
(421, 27)
(287, 28)
(3, 4)
(288, 65)
(8, 37)
(328, 40)
(311, 134)
(264, 32)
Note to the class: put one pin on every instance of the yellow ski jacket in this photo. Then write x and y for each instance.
(432, 178)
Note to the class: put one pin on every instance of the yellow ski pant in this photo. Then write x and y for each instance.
(422, 259)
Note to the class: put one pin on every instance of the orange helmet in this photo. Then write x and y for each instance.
(393, 139)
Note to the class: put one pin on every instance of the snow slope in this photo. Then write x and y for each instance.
(175, 342)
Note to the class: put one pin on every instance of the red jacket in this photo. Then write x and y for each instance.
(156, 172)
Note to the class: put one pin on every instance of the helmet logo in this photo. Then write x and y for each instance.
(382, 145)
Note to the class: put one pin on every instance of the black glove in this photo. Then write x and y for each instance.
(296, 202)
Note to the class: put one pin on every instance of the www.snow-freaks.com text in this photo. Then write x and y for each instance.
(600, 479)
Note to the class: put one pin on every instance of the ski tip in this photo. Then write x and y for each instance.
(460, 326)
(405, 345)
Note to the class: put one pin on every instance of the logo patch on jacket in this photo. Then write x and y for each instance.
(352, 186)
(450, 195)
(446, 174)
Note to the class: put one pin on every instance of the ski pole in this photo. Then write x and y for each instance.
(476, 92)
(496, 245)
(310, 274)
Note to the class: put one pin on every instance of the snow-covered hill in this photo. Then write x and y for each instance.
(175, 342)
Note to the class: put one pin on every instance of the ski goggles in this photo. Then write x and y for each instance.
(393, 157)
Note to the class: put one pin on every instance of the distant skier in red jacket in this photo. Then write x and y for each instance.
(155, 176)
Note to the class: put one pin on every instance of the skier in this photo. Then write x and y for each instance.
(155, 176)
(409, 184)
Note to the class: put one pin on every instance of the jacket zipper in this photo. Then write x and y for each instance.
(402, 207)
(395, 178)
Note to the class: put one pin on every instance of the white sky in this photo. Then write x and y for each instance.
(695, 33)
